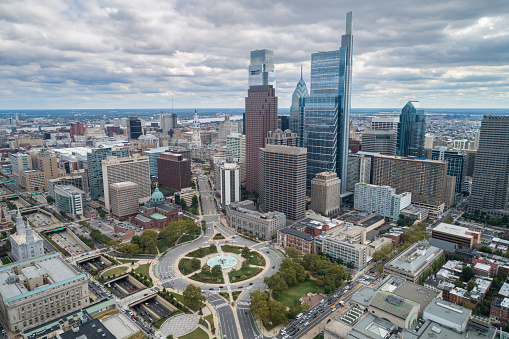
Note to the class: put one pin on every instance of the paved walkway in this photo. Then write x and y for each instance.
(179, 325)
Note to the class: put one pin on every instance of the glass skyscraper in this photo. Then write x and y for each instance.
(411, 130)
(298, 109)
(327, 117)
(95, 169)
(261, 69)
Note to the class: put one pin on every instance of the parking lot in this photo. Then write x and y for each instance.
(107, 227)
(66, 241)
(122, 287)
(151, 310)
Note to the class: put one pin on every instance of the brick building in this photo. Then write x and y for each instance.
(157, 213)
(290, 237)
(124, 232)
(174, 171)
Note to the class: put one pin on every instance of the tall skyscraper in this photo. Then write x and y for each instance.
(490, 184)
(380, 141)
(325, 196)
(278, 137)
(298, 109)
(134, 128)
(260, 111)
(95, 170)
(229, 183)
(327, 123)
(283, 180)
(174, 171)
(385, 123)
(456, 164)
(412, 126)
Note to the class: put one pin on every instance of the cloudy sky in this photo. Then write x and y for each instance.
(143, 53)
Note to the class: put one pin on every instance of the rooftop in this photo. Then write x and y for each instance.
(504, 290)
(443, 309)
(413, 257)
(392, 304)
(454, 230)
(294, 232)
(93, 329)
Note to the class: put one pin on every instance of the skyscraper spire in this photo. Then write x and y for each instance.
(300, 71)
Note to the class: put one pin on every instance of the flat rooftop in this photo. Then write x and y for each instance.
(413, 257)
(446, 310)
(459, 231)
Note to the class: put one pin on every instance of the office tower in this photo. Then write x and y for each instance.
(278, 137)
(381, 200)
(227, 127)
(460, 144)
(380, 141)
(283, 122)
(327, 124)
(359, 168)
(25, 243)
(95, 169)
(428, 140)
(168, 122)
(298, 109)
(470, 162)
(124, 199)
(116, 122)
(475, 145)
(412, 125)
(134, 128)
(283, 180)
(236, 146)
(20, 162)
(325, 193)
(102, 124)
(456, 164)
(425, 179)
(153, 154)
(490, 185)
(260, 111)
(77, 128)
(261, 68)
(135, 169)
(70, 200)
(385, 123)
(230, 183)
(174, 171)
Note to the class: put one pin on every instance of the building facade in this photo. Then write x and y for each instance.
(461, 236)
(157, 213)
(298, 110)
(95, 169)
(174, 171)
(385, 123)
(380, 141)
(244, 218)
(153, 154)
(490, 183)
(236, 146)
(136, 170)
(25, 243)
(412, 128)
(278, 137)
(230, 183)
(456, 164)
(381, 200)
(327, 123)
(283, 180)
(40, 289)
(124, 199)
(134, 128)
(290, 237)
(325, 193)
(70, 199)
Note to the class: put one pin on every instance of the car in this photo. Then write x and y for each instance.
(250, 283)
(273, 267)
(211, 288)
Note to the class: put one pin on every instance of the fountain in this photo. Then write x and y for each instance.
(225, 261)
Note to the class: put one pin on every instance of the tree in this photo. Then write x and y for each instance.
(121, 219)
(205, 269)
(129, 249)
(293, 253)
(449, 220)
(216, 271)
(135, 240)
(467, 273)
(245, 265)
(471, 284)
(183, 203)
(276, 283)
(102, 215)
(148, 241)
(350, 265)
(259, 306)
(246, 252)
(194, 202)
(486, 249)
(277, 312)
(192, 295)
(195, 263)
(50, 199)
(212, 248)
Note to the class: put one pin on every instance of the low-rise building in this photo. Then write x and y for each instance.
(39, 289)
(459, 235)
(69, 199)
(415, 213)
(244, 218)
(290, 237)
(447, 314)
(124, 232)
(157, 213)
(499, 310)
(400, 311)
(413, 261)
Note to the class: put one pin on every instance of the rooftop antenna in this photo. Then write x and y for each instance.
(300, 71)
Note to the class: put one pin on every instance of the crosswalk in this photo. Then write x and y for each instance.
(221, 305)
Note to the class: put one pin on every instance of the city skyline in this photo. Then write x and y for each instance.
(130, 55)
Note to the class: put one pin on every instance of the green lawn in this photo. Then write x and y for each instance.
(218, 236)
(185, 266)
(236, 294)
(201, 252)
(242, 274)
(165, 191)
(225, 295)
(298, 291)
(231, 249)
(209, 279)
(6, 261)
(143, 269)
(180, 298)
(196, 334)
(256, 259)
(114, 271)
(187, 237)
(210, 319)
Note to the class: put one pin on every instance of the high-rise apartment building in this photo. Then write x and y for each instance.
(283, 180)
(229, 183)
(134, 128)
(385, 123)
(174, 171)
(95, 169)
(412, 127)
(135, 169)
(153, 154)
(77, 128)
(124, 199)
(278, 137)
(325, 193)
(456, 164)
(20, 162)
(327, 124)
(236, 146)
(425, 179)
(359, 168)
(380, 141)
(298, 109)
(490, 184)
(260, 111)
(381, 200)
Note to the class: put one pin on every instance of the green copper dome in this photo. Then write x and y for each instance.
(157, 196)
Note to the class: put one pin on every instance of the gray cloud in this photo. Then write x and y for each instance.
(115, 53)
